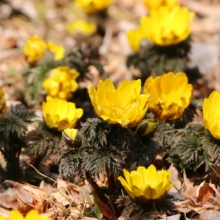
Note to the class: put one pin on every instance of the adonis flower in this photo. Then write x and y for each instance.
(34, 49)
(57, 50)
(170, 95)
(211, 114)
(124, 106)
(93, 6)
(155, 4)
(2, 101)
(134, 38)
(166, 27)
(61, 114)
(61, 83)
(146, 184)
(82, 27)
(32, 215)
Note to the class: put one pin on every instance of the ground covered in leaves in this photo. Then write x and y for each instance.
(44, 190)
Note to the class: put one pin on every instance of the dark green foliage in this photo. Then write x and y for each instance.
(107, 147)
(112, 147)
(69, 162)
(10, 124)
(97, 160)
(13, 129)
(134, 210)
(76, 59)
(156, 60)
(13, 123)
(43, 140)
(34, 78)
(164, 136)
(23, 113)
(195, 148)
(94, 133)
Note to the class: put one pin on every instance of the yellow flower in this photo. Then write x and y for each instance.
(34, 48)
(2, 101)
(57, 50)
(71, 132)
(124, 106)
(31, 215)
(82, 27)
(93, 6)
(155, 4)
(211, 114)
(61, 83)
(146, 184)
(134, 38)
(167, 27)
(170, 95)
(61, 114)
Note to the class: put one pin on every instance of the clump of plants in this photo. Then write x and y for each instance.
(161, 43)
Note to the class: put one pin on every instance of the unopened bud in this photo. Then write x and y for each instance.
(71, 137)
(146, 128)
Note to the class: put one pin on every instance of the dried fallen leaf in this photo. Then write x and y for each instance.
(188, 188)
(205, 193)
(22, 197)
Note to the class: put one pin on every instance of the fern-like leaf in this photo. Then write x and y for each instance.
(20, 111)
(43, 141)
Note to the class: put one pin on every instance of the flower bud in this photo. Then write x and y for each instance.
(71, 137)
(146, 128)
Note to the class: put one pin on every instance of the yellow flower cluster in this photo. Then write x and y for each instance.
(170, 95)
(82, 27)
(61, 83)
(155, 4)
(61, 114)
(124, 106)
(146, 184)
(31, 215)
(35, 48)
(93, 6)
(163, 27)
(2, 101)
(211, 114)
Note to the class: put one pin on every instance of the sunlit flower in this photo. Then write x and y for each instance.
(167, 27)
(34, 49)
(93, 6)
(146, 128)
(2, 101)
(61, 114)
(82, 27)
(71, 132)
(146, 184)
(134, 38)
(124, 106)
(170, 95)
(155, 4)
(211, 114)
(61, 83)
(31, 215)
(57, 50)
